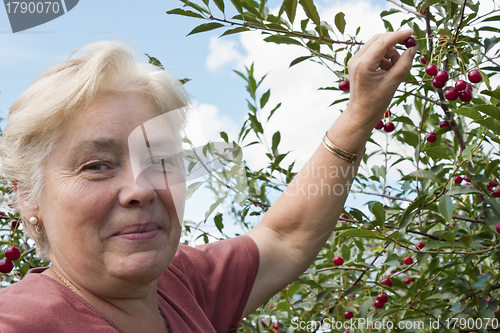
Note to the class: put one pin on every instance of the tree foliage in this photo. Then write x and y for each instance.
(453, 280)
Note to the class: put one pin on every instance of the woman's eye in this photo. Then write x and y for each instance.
(97, 167)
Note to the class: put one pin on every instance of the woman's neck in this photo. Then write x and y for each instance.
(130, 314)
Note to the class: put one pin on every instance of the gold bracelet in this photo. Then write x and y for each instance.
(351, 158)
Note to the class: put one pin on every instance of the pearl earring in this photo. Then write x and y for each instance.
(33, 220)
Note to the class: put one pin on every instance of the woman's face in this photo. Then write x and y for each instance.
(101, 226)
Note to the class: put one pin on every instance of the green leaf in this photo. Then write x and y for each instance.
(192, 188)
(495, 206)
(213, 206)
(422, 174)
(276, 141)
(195, 6)
(292, 290)
(489, 109)
(466, 240)
(278, 39)
(290, 9)
(354, 233)
(234, 31)
(218, 221)
(310, 10)
(220, 4)
(299, 59)
(346, 252)
(154, 61)
(491, 124)
(469, 112)
(445, 207)
(224, 136)
(409, 212)
(273, 110)
(459, 190)
(205, 27)
(265, 98)
(340, 22)
(179, 11)
(379, 213)
(237, 5)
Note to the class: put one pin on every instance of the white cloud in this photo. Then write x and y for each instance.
(222, 52)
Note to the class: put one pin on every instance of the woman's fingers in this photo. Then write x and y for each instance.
(382, 46)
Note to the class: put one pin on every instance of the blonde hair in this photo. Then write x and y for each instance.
(38, 117)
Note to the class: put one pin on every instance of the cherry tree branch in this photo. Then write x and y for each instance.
(409, 10)
(286, 32)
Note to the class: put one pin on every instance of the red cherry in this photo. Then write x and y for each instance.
(436, 84)
(422, 60)
(387, 283)
(348, 314)
(408, 261)
(344, 85)
(443, 39)
(344, 216)
(431, 137)
(460, 85)
(496, 193)
(276, 326)
(387, 113)
(338, 261)
(407, 280)
(12, 253)
(431, 69)
(379, 125)
(465, 95)
(263, 323)
(421, 245)
(458, 180)
(451, 94)
(389, 127)
(378, 304)
(14, 225)
(442, 76)
(467, 179)
(444, 123)
(474, 76)
(410, 42)
(469, 87)
(6, 265)
(382, 298)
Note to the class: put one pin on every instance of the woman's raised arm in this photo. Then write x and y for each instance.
(297, 225)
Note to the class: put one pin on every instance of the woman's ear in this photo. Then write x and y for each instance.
(26, 207)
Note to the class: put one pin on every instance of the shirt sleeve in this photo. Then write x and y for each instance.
(221, 276)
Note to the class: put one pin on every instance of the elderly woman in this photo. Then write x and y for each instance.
(114, 245)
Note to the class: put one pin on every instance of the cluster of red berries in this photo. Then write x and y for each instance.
(462, 89)
(380, 301)
(389, 126)
(460, 179)
(493, 188)
(12, 253)
(432, 136)
(275, 326)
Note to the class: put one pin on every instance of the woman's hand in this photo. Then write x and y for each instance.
(375, 73)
